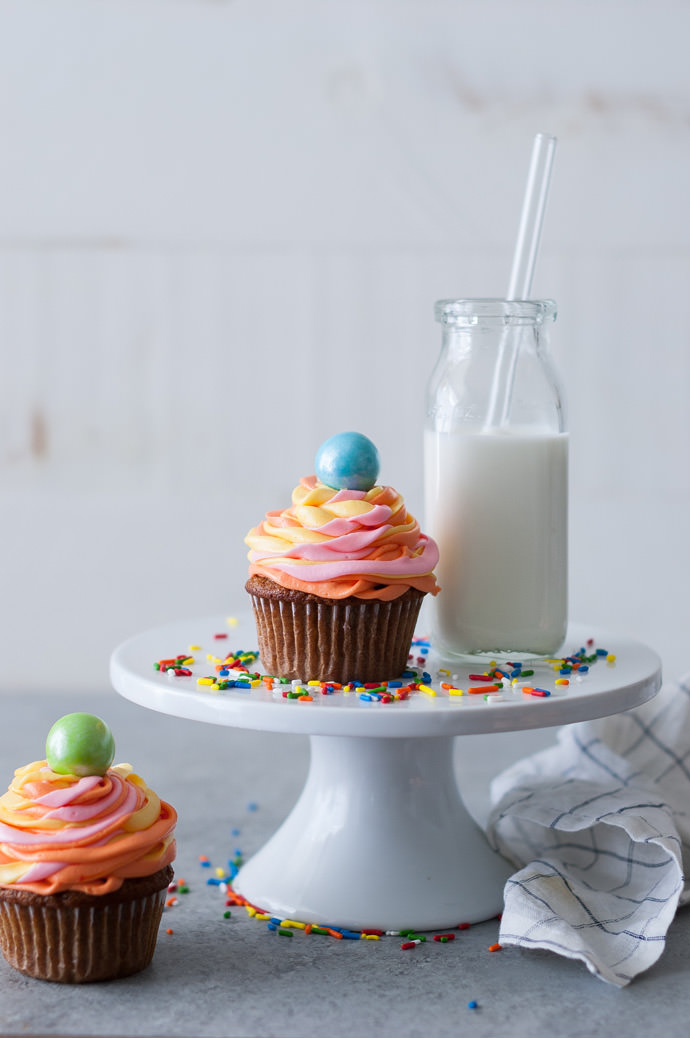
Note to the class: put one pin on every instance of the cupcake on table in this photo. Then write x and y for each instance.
(85, 860)
(337, 579)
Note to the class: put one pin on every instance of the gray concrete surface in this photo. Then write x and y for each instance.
(232, 977)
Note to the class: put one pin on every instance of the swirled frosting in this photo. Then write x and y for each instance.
(62, 832)
(338, 543)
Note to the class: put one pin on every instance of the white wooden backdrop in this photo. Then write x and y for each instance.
(223, 226)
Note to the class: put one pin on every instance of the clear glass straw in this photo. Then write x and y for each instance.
(524, 262)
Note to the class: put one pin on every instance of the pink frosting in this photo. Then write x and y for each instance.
(67, 794)
(349, 546)
(41, 870)
(82, 812)
(25, 838)
(340, 527)
(402, 566)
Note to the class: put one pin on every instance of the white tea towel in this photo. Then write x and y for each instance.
(599, 828)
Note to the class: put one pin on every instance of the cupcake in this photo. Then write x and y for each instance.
(85, 860)
(337, 579)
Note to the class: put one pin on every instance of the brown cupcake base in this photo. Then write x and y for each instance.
(76, 938)
(351, 639)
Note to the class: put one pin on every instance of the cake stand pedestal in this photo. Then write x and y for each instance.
(380, 836)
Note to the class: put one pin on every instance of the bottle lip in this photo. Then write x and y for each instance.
(469, 312)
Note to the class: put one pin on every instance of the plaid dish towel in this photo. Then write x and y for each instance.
(599, 828)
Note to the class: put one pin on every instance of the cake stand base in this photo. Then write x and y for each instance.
(378, 838)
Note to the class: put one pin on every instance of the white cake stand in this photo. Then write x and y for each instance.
(380, 836)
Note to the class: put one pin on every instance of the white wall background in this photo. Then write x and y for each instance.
(223, 226)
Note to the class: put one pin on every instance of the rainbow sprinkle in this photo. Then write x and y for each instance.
(234, 672)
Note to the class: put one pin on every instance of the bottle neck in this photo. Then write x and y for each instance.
(495, 374)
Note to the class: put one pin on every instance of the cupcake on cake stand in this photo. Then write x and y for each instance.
(380, 836)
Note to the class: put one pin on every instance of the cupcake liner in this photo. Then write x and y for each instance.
(330, 640)
(79, 943)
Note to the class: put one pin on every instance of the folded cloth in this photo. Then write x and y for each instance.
(599, 828)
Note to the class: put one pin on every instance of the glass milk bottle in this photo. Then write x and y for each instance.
(496, 482)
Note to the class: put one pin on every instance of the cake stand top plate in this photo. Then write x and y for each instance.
(634, 678)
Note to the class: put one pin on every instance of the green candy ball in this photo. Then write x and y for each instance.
(80, 744)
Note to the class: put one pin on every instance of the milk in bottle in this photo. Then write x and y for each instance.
(496, 484)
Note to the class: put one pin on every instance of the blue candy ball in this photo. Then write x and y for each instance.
(348, 461)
